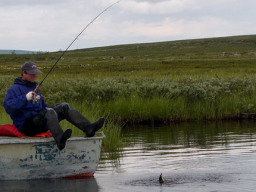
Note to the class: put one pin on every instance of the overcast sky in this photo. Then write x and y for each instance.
(51, 25)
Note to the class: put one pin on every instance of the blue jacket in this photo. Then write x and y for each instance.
(16, 104)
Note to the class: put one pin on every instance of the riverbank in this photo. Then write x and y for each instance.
(141, 100)
(190, 80)
(148, 101)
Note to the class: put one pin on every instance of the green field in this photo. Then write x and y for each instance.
(188, 72)
(227, 57)
(205, 79)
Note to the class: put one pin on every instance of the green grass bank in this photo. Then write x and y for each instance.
(203, 79)
(141, 100)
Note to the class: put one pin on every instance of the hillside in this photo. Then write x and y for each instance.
(223, 57)
(210, 47)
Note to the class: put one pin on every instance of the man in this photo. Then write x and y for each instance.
(31, 115)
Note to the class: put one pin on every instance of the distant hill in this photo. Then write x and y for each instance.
(205, 47)
(210, 57)
(18, 52)
(233, 46)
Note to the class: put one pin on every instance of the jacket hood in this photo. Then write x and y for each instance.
(20, 81)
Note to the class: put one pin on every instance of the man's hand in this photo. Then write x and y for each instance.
(30, 95)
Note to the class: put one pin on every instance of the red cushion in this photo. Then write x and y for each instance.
(11, 130)
(45, 134)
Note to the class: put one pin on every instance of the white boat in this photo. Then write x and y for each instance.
(38, 158)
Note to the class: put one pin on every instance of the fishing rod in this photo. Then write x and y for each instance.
(37, 87)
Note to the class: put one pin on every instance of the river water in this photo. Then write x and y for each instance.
(206, 156)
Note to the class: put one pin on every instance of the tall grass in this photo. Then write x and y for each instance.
(142, 99)
(136, 110)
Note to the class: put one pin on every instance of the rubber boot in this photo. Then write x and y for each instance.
(92, 128)
(53, 125)
(84, 124)
(67, 112)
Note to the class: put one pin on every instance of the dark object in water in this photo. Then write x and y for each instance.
(161, 179)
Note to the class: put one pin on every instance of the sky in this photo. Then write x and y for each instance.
(51, 25)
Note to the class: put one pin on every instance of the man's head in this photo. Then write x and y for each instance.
(30, 71)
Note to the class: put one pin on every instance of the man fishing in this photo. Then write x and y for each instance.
(31, 115)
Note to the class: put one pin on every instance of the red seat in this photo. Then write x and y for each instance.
(12, 130)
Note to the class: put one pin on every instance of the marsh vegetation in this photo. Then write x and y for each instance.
(204, 79)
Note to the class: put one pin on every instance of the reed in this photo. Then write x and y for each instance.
(141, 99)
(136, 110)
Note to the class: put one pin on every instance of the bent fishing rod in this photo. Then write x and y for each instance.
(37, 87)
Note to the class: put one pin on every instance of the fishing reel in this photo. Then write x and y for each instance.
(36, 99)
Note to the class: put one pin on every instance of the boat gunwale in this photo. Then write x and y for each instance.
(28, 140)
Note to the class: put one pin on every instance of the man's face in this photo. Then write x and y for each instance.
(29, 77)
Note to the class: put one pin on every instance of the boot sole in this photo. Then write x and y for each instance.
(66, 135)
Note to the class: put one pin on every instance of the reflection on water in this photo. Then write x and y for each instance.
(210, 156)
(179, 140)
(51, 185)
(192, 157)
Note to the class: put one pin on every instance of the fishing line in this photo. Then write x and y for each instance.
(37, 87)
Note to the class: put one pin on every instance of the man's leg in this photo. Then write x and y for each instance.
(66, 111)
(52, 123)
(35, 125)
(45, 120)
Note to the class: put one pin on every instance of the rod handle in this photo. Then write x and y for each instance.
(36, 89)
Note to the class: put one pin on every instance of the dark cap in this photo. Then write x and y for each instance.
(30, 68)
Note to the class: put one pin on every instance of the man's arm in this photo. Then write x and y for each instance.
(14, 102)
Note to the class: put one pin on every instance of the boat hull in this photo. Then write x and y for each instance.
(39, 158)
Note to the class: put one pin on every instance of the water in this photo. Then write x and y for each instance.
(212, 156)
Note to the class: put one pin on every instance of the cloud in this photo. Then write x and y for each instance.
(178, 19)
(186, 29)
(52, 24)
(40, 25)
(28, 3)
(159, 7)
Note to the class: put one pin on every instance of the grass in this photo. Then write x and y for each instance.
(227, 57)
(139, 100)
(203, 79)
